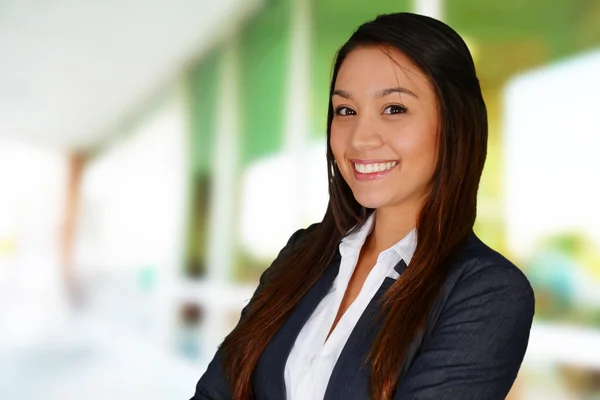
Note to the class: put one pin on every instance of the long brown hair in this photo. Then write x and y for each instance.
(443, 225)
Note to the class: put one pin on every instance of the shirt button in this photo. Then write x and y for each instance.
(312, 360)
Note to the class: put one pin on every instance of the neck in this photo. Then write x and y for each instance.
(391, 225)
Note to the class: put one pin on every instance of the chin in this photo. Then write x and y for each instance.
(370, 200)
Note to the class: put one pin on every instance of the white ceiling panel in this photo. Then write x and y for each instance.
(70, 70)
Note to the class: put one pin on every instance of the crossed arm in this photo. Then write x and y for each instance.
(478, 344)
(473, 353)
(213, 385)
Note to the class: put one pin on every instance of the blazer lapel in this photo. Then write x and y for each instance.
(269, 374)
(350, 379)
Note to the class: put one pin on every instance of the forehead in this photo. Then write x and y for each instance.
(372, 68)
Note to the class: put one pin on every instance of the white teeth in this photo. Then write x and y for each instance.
(369, 168)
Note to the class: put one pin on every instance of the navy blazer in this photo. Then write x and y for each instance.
(471, 348)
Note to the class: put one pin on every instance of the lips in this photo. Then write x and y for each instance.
(368, 170)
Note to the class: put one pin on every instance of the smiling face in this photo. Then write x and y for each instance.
(385, 127)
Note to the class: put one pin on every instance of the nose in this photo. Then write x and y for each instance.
(366, 135)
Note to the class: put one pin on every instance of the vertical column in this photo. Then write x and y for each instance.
(297, 110)
(75, 166)
(224, 169)
(223, 189)
(431, 8)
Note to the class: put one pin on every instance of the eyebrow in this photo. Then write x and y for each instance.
(381, 93)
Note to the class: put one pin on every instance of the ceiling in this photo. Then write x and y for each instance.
(70, 70)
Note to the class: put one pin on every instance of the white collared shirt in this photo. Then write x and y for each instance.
(311, 360)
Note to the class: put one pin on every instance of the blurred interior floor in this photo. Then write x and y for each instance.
(95, 361)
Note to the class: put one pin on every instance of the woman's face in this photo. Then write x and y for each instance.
(385, 127)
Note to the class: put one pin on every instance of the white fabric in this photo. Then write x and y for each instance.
(312, 359)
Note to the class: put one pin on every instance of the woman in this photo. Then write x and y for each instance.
(355, 307)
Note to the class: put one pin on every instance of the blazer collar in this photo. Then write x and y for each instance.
(269, 374)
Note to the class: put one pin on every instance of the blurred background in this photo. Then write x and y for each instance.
(156, 155)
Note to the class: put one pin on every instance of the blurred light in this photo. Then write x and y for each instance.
(551, 139)
(269, 188)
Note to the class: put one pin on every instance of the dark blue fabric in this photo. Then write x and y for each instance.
(472, 346)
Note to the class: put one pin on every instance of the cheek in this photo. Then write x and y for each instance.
(426, 150)
(337, 143)
(339, 146)
(418, 150)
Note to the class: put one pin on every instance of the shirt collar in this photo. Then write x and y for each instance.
(405, 248)
(358, 237)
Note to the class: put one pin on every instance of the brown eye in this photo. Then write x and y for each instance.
(395, 109)
(344, 111)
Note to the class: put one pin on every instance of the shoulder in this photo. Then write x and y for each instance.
(480, 272)
(292, 244)
(294, 241)
(475, 342)
(477, 262)
(301, 233)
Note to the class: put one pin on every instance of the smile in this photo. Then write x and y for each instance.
(372, 170)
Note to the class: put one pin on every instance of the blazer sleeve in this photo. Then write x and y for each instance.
(478, 343)
(213, 385)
